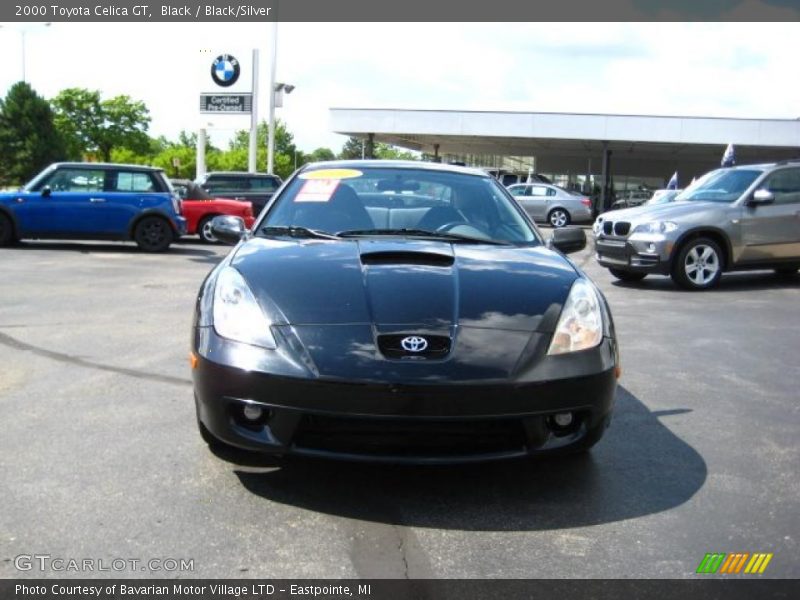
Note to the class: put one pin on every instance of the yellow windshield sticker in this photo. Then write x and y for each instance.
(331, 174)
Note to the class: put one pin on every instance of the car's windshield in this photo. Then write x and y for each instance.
(405, 202)
(722, 185)
(664, 198)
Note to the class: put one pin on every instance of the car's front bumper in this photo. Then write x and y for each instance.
(180, 225)
(645, 253)
(385, 421)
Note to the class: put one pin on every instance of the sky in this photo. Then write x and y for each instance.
(693, 69)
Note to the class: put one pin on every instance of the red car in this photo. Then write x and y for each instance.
(199, 208)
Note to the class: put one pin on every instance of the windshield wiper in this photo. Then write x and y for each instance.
(298, 232)
(423, 233)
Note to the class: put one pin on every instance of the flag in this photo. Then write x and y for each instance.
(729, 158)
(673, 182)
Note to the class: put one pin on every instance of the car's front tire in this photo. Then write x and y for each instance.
(698, 264)
(6, 230)
(204, 231)
(558, 217)
(627, 275)
(153, 234)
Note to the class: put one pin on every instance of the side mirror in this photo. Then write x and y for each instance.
(228, 229)
(762, 197)
(46, 191)
(568, 240)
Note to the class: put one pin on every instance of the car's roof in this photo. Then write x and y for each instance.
(241, 173)
(394, 164)
(104, 165)
(765, 166)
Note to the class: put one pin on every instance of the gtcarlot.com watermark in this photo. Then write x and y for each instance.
(58, 564)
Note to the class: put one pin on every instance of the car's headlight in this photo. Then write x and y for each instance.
(597, 224)
(237, 315)
(580, 326)
(656, 227)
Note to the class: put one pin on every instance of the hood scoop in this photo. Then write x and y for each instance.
(400, 257)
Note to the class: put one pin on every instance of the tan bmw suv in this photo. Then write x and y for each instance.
(731, 219)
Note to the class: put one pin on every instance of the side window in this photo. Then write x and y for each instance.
(263, 184)
(539, 190)
(785, 184)
(226, 185)
(76, 180)
(551, 192)
(131, 181)
(519, 190)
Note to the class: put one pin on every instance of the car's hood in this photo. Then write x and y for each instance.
(227, 202)
(660, 212)
(334, 299)
(405, 282)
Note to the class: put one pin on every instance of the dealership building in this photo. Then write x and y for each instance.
(577, 150)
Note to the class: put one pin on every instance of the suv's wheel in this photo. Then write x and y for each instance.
(698, 265)
(627, 275)
(204, 230)
(6, 230)
(153, 234)
(558, 217)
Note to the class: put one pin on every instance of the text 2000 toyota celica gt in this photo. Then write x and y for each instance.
(404, 312)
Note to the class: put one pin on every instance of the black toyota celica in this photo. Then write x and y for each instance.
(405, 312)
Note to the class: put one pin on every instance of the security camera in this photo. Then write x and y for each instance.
(288, 88)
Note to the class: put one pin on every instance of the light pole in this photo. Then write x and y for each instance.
(22, 33)
(275, 101)
(276, 91)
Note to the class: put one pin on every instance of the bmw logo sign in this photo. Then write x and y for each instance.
(225, 70)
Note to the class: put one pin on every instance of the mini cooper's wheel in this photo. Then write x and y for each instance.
(627, 275)
(558, 217)
(153, 234)
(698, 265)
(6, 230)
(204, 231)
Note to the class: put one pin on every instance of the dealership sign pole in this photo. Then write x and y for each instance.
(251, 158)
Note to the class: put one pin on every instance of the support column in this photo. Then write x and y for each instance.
(606, 191)
(369, 148)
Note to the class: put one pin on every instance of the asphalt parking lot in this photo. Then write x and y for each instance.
(100, 456)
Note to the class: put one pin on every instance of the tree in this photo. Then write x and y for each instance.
(387, 151)
(29, 140)
(352, 148)
(321, 154)
(285, 150)
(95, 126)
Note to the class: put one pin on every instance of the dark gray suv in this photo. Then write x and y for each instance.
(256, 188)
(731, 219)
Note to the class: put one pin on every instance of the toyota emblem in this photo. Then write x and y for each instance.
(414, 343)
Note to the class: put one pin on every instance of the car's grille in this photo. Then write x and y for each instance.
(437, 346)
(621, 228)
(409, 437)
(608, 227)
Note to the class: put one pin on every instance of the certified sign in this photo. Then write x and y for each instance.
(226, 103)
(225, 70)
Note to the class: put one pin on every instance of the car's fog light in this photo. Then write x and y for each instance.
(651, 248)
(252, 412)
(563, 419)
